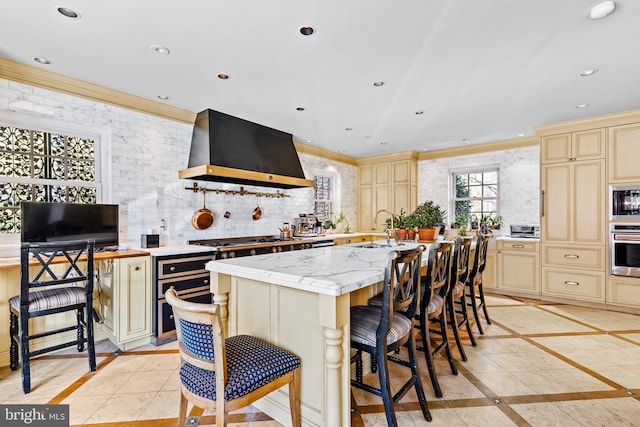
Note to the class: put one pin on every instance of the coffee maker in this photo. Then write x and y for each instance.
(306, 225)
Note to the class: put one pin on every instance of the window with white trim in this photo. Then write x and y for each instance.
(43, 166)
(475, 192)
(322, 200)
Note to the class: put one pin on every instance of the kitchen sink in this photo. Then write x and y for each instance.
(372, 245)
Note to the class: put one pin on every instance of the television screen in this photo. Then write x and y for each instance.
(52, 222)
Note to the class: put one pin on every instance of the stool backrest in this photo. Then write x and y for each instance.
(438, 270)
(460, 261)
(401, 292)
(76, 256)
(480, 257)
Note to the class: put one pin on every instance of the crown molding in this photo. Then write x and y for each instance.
(34, 76)
(321, 152)
(481, 148)
(607, 120)
(393, 157)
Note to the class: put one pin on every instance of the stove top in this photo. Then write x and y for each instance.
(239, 241)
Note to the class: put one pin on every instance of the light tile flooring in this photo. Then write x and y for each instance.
(538, 364)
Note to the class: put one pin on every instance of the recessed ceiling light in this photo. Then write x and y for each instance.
(348, 128)
(590, 72)
(466, 141)
(307, 31)
(378, 83)
(300, 109)
(163, 97)
(383, 143)
(223, 76)
(42, 60)
(425, 149)
(419, 112)
(602, 9)
(521, 134)
(69, 13)
(582, 106)
(162, 50)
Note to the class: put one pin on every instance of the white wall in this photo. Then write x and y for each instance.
(518, 181)
(146, 154)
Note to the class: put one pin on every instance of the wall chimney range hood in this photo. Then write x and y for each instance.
(229, 149)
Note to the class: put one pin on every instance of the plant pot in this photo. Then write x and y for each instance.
(411, 235)
(426, 234)
(401, 234)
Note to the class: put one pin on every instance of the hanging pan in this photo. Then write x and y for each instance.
(203, 218)
(257, 212)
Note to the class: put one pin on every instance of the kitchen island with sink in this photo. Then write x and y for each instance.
(300, 301)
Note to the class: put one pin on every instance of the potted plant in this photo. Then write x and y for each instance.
(427, 217)
(496, 222)
(333, 224)
(461, 221)
(400, 224)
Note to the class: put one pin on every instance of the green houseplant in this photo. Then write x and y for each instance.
(427, 216)
(400, 224)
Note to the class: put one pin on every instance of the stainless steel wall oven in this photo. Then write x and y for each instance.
(625, 249)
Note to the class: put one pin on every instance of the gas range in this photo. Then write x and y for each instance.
(247, 246)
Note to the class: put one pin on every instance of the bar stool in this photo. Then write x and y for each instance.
(432, 309)
(475, 292)
(379, 330)
(59, 292)
(456, 298)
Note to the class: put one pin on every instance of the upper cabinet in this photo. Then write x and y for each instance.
(575, 146)
(624, 152)
(389, 183)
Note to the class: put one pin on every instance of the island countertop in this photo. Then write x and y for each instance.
(334, 270)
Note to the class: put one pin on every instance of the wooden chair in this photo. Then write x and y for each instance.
(456, 298)
(51, 292)
(475, 292)
(432, 309)
(243, 367)
(379, 330)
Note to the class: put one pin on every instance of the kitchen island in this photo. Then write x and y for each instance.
(300, 301)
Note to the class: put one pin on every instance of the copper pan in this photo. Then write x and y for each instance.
(257, 212)
(202, 218)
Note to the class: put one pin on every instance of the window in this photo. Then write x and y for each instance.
(43, 166)
(322, 202)
(475, 193)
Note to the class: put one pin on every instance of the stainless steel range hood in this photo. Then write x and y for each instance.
(229, 149)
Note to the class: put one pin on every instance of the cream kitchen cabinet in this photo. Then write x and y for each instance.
(352, 239)
(573, 197)
(489, 280)
(519, 266)
(575, 146)
(623, 291)
(386, 182)
(624, 143)
(124, 300)
(582, 285)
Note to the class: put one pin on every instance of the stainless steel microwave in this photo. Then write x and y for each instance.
(625, 202)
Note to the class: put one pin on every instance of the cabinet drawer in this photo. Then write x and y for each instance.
(180, 266)
(519, 245)
(184, 284)
(580, 285)
(624, 291)
(575, 256)
(354, 239)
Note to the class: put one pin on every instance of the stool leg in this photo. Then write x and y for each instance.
(13, 351)
(411, 348)
(445, 341)
(465, 317)
(385, 386)
(90, 337)
(484, 306)
(24, 351)
(474, 307)
(454, 326)
(80, 332)
(426, 347)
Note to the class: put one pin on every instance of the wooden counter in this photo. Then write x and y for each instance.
(97, 256)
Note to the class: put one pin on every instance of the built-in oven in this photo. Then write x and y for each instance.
(625, 201)
(625, 249)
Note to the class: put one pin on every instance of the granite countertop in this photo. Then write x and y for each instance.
(333, 270)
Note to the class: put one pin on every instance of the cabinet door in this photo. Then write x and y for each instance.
(624, 291)
(555, 148)
(519, 271)
(588, 145)
(624, 142)
(135, 298)
(365, 198)
(589, 202)
(555, 182)
(489, 275)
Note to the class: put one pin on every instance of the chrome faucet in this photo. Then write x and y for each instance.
(375, 219)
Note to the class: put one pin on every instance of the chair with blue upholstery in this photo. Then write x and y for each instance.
(55, 277)
(244, 368)
(380, 330)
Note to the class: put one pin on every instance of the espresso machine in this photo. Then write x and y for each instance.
(307, 225)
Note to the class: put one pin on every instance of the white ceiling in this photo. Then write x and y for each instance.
(481, 70)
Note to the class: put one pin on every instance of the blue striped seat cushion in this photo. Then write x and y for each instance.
(251, 363)
(365, 320)
(435, 304)
(51, 298)
(458, 289)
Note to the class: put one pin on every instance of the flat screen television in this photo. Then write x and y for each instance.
(55, 222)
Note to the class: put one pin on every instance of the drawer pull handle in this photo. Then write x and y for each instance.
(572, 256)
(517, 246)
(171, 316)
(137, 268)
(348, 241)
(172, 269)
(571, 283)
(206, 281)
